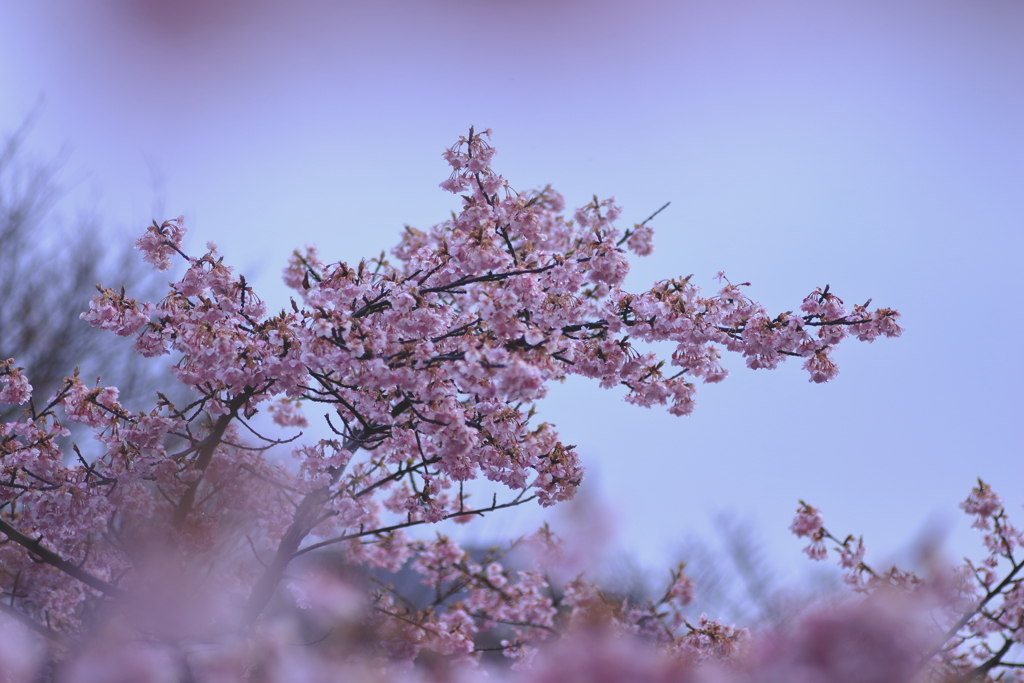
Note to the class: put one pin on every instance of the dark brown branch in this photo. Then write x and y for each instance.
(36, 547)
(995, 660)
(406, 525)
(205, 455)
(395, 476)
(307, 515)
(955, 628)
(490, 277)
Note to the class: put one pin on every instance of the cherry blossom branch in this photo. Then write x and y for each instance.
(305, 519)
(432, 364)
(406, 525)
(489, 277)
(206, 449)
(36, 547)
(967, 616)
(306, 514)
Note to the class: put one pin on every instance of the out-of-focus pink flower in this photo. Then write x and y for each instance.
(333, 598)
(869, 642)
(816, 550)
(641, 242)
(21, 653)
(807, 522)
(602, 657)
(683, 589)
(288, 413)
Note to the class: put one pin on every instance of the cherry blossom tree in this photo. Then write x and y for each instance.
(190, 548)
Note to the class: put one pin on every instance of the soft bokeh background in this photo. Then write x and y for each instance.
(874, 146)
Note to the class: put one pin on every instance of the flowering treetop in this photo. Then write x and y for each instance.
(426, 365)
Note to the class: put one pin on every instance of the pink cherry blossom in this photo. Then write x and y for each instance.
(161, 241)
(16, 388)
(807, 523)
(641, 242)
(982, 503)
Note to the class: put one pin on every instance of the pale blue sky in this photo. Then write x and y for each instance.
(874, 146)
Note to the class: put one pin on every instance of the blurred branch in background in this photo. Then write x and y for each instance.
(735, 580)
(48, 272)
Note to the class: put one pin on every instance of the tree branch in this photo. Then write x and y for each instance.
(35, 546)
(206, 450)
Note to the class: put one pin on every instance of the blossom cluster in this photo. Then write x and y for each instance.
(16, 389)
(976, 609)
(179, 525)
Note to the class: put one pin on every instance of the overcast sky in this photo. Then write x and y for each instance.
(877, 147)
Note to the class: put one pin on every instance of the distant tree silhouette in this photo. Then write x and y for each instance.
(48, 269)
